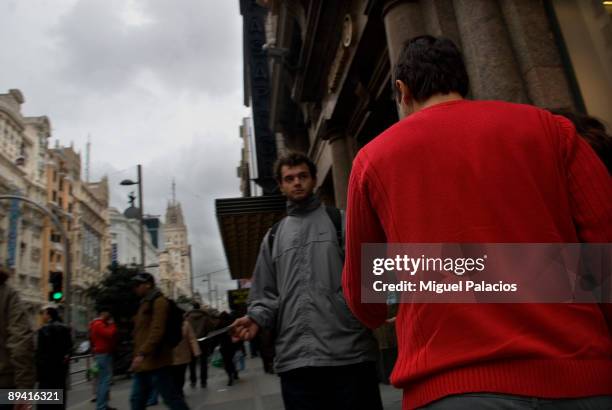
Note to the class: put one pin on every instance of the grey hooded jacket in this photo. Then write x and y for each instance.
(297, 292)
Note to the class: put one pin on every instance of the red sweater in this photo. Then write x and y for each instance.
(484, 171)
(102, 336)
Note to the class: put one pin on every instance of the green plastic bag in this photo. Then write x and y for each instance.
(93, 371)
(217, 359)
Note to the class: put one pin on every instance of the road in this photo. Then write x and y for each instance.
(255, 390)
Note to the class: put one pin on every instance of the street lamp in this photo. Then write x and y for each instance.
(127, 182)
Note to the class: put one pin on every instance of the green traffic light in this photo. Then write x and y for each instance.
(57, 295)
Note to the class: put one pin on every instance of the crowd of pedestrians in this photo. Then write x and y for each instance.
(451, 170)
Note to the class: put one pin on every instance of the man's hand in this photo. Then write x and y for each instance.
(244, 328)
(136, 362)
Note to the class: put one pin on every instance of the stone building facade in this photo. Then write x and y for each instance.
(83, 210)
(176, 272)
(23, 144)
(125, 242)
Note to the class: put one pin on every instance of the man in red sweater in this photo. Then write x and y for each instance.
(459, 171)
(102, 334)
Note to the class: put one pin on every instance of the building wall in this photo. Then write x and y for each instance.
(586, 28)
(125, 241)
(178, 252)
(22, 155)
(339, 95)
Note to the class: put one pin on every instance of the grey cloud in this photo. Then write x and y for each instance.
(189, 44)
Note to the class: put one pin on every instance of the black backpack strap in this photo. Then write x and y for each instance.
(272, 235)
(336, 217)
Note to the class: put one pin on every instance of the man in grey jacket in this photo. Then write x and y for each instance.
(324, 356)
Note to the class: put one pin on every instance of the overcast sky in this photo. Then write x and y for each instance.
(156, 82)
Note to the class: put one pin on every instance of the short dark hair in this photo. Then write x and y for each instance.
(431, 65)
(594, 132)
(196, 305)
(293, 159)
(53, 313)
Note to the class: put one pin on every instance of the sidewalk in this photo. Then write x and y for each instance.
(255, 390)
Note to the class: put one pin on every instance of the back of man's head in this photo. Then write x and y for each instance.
(429, 66)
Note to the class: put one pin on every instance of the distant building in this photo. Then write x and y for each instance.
(125, 242)
(176, 257)
(247, 169)
(154, 225)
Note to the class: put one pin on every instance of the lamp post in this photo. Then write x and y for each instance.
(128, 182)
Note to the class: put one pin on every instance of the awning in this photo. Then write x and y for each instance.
(243, 222)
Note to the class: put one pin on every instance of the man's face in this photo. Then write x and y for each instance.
(45, 316)
(105, 315)
(141, 289)
(296, 182)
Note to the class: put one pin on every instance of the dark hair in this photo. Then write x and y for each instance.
(293, 159)
(429, 66)
(593, 132)
(196, 305)
(103, 308)
(143, 277)
(54, 314)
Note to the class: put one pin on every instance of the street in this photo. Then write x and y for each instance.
(255, 390)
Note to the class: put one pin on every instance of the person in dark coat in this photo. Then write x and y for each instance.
(53, 353)
(228, 348)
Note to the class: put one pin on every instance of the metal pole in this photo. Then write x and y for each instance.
(142, 241)
(67, 260)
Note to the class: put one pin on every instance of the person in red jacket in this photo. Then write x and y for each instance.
(460, 171)
(102, 334)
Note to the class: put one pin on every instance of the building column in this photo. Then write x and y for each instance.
(537, 53)
(440, 19)
(488, 53)
(341, 168)
(403, 20)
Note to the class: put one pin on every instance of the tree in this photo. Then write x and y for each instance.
(115, 294)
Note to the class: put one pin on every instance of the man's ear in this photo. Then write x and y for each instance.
(404, 92)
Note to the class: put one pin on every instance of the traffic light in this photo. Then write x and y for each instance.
(56, 279)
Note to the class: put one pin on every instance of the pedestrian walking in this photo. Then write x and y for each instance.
(460, 171)
(102, 335)
(229, 348)
(17, 369)
(186, 352)
(325, 358)
(53, 350)
(202, 321)
(152, 353)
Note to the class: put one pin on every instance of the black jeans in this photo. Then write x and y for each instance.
(490, 401)
(160, 379)
(49, 379)
(193, 376)
(178, 375)
(350, 387)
